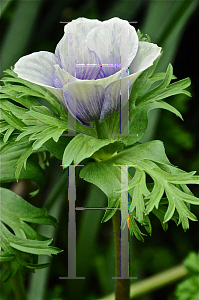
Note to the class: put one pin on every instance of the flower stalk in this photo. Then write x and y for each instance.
(155, 282)
(101, 129)
(122, 291)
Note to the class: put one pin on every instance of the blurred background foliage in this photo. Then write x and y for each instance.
(29, 26)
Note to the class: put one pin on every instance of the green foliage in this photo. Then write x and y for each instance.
(20, 243)
(143, 99)
(143, 37)
(14, 164)
(148, 158)
(188, 288)
(82, 147)
(19, 18)
(40, 126)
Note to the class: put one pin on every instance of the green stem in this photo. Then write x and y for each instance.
(155, 282)
(122, 285)
(102, 131)
(18, 287)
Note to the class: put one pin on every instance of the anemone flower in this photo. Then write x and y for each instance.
(93, 69)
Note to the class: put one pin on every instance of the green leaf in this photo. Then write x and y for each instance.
(155, 196)
(134, 228)
(18, 239)
(191, 262)
(4, 126)
(4, 256)
(8, 133)
(153, 150)
(164, 180)
(143, 99)
(43, 114)
(16, 110)
(41, 137)
(11, 119)
(9, 160)
(188, 288)
(82, 147)
(57, 148)
(113, 204)
(31, 130)
(22, 161)
(8, 93)
(160, 213)
(150, 159)
(137, 193)
(26, 88)
(108, 178)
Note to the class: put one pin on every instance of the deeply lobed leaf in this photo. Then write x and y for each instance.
(19, 241)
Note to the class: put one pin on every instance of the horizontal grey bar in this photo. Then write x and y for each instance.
(124, 278)
(71, 277)
(97, 208)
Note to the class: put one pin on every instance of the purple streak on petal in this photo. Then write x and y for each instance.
(77, 59)
(88, 65)
(112, 100)
(116, 43)
(84, 101)
(117, 93)
(57, 83)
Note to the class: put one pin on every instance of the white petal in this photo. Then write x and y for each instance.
(42, 68)
(115, 42)
(81, 31)
(146, 55)
(76, 58)
(62, 77)
(84, 100)
(117, 94)
(37, 67)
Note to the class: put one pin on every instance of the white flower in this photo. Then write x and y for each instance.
(94, 66)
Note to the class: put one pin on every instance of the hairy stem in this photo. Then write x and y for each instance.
(101, 128)
(122, 285)
(18, 287)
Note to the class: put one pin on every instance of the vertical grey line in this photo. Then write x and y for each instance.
(71, 223)
(124, 246)
(124, 230)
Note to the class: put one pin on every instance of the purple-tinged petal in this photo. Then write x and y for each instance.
(117, 93)
(146, 55)
(62, 77)
(76, 58)
(115, 42)
(37, 67)
(84, 100)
